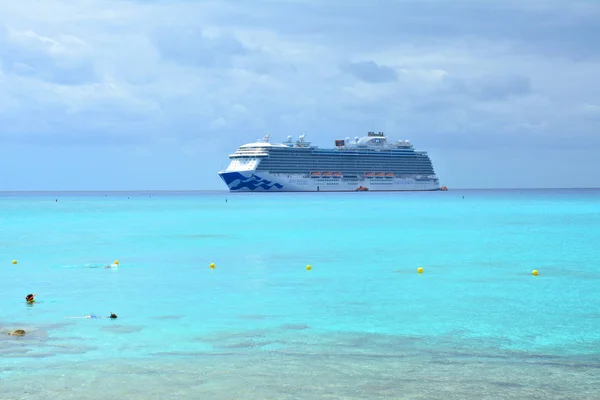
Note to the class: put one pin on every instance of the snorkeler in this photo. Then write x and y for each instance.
(111, 316)
(30, 297)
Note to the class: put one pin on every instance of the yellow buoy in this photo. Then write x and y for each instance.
(212, 265)
(534, 272)
(420, 270)
(14, 261)
(308, 267)
(116, 262)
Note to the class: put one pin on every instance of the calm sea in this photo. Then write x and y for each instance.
(361, 324)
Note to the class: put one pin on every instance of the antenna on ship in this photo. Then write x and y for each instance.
(301, 143)
(266, 138)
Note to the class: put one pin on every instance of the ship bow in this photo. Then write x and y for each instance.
(248, 181)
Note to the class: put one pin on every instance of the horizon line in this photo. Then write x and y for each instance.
(227, 191)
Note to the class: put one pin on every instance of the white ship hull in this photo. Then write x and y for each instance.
(263, 181)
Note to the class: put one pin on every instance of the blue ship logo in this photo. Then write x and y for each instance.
(237, 181)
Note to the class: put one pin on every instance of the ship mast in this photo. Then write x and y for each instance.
(266, 138)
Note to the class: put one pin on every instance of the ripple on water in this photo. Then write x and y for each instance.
(122, 328)
(167, 317)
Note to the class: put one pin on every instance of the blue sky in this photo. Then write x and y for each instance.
(120, 95)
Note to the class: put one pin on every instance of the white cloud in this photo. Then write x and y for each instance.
(64, 60)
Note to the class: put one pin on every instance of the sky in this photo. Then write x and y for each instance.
(154, 95)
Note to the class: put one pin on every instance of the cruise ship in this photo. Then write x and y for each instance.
(369, 163)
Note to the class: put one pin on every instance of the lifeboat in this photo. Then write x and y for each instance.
(443, 188)
(389, 175)
(362, 189)
(369, 174)
(326, 174)
(379, 175)
(337, 174)
(315, 174)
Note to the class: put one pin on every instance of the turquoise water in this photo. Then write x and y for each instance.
(361, 324)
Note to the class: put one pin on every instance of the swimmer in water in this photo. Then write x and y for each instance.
(111, 316)
(30, 297)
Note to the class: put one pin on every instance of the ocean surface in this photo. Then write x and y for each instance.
(361, 324)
